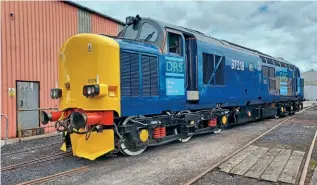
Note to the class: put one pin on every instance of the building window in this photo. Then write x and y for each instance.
(210, 64)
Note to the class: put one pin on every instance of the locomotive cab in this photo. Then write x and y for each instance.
(172, 43)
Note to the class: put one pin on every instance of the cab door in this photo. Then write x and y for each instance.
(174, 60)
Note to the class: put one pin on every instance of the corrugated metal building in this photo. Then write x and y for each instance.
(310, 84)
(31, 36)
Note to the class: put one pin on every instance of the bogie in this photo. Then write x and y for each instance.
(144, 131)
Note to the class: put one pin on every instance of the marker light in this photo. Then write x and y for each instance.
(56, 93)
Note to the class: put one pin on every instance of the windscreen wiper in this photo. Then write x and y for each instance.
(149, 36)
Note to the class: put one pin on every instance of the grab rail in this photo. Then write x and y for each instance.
(6, 128)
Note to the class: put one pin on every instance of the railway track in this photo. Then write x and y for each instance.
(30, 149)
(303, 175)
(191, 181)
(36, 161)
(50, 177)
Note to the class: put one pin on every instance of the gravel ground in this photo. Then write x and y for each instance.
(221, 178)
(25, 151)
(24, 156)
(40, 170)
(25, 145)
(173, 163)
(289, 136)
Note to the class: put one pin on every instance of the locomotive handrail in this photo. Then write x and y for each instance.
(185, 72)
(53, 108)
(6, 128)
(196, 78)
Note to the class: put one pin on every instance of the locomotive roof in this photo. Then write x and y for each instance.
(206, 38)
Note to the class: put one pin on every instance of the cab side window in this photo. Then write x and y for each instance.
(174, 43)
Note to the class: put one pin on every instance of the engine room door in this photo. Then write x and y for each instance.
(27, 98)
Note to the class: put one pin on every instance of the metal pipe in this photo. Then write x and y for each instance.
(7, 126)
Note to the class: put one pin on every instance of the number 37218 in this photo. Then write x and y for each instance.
(237, 65)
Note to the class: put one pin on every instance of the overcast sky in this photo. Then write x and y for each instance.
(286, 29)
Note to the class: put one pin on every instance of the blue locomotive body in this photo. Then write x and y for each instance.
(216, 72)
(156, 83)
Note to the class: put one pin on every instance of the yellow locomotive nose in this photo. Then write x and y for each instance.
(89, 69)
(89, 83)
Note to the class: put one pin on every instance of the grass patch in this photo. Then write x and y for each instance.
(312, 164)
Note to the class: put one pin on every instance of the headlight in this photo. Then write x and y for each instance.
(56, 93)
(91, 90)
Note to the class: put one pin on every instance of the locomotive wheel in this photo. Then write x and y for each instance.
(124, 147)
(183, 140)
(218, 131)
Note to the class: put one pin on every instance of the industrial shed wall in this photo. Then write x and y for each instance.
(310, 84)
(31, 35)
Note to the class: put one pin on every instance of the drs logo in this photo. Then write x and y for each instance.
(237, 65)
(174, 67)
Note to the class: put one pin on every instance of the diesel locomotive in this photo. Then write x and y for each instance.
(156, 83)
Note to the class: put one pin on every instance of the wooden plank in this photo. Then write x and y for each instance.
(275, 169)
(248, 162)
(291, 169)
(258, 168)
(231, 163)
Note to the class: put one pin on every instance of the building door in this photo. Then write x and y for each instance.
(27, 98)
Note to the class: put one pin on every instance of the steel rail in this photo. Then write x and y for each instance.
(29, 149)
(304, 173)
(54, 176)
(35, 161)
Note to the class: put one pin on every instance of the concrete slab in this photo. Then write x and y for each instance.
(309, 103)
